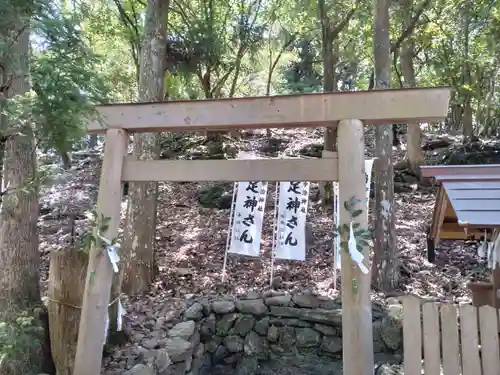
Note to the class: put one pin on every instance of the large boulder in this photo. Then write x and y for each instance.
(140, 369)
(251, 306)
(216, 196)
(387, 369)
(223, 307)
(391, 327)
(178, 349)
(183, 330)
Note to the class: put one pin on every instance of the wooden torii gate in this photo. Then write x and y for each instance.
(350, 109)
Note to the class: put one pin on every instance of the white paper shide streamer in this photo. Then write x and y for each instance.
(121, 313)
(247, 220)
(493, 249)
(368, 180)
(114, 258)
(355, 254)
(292, 213)
(119, 319)
(106, 328)
(112, 250)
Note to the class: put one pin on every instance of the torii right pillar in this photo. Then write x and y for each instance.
(357, 336)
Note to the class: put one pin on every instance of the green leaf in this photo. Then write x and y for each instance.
(367, 235)
(347, 206)
(356, 225)
(357, 213)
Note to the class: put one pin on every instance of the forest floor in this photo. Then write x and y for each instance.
(191, 239)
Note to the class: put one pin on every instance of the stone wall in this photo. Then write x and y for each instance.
(228, 335)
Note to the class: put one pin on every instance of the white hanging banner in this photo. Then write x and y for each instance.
(247, 220)
(292, 213)
(336, 209)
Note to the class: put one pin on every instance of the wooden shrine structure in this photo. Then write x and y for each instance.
(349, 111)
(468, 201)
(467, 207)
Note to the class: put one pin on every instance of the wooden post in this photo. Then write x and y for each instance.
(91, 334)
(68, 268)
(495, 281)
(357, 336)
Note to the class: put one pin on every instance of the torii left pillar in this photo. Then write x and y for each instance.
(91, 334)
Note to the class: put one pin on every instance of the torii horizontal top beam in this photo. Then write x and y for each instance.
(289, 111)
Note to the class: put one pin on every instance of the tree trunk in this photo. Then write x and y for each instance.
(414, 153)
(467, 126)
(330, 57)
(139, 235)
(455, 115)
(68, 269)
(66, 159)
(385, 270)
(273, 63)
(19, 256)
(93, 141)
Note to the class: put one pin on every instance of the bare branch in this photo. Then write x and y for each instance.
(342, 24)
(131, 24)
(409, 30)
(275, 62)
(395, 64)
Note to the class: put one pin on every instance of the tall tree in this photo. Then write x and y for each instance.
(330, 45)
(20, 353)
(467, 80)
(218, 36)
(457, 48)
(385, 270)
(65, 88)
(111, 38)
(414, 153)
(139, 235)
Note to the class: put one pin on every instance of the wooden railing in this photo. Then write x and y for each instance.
(456, 339)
